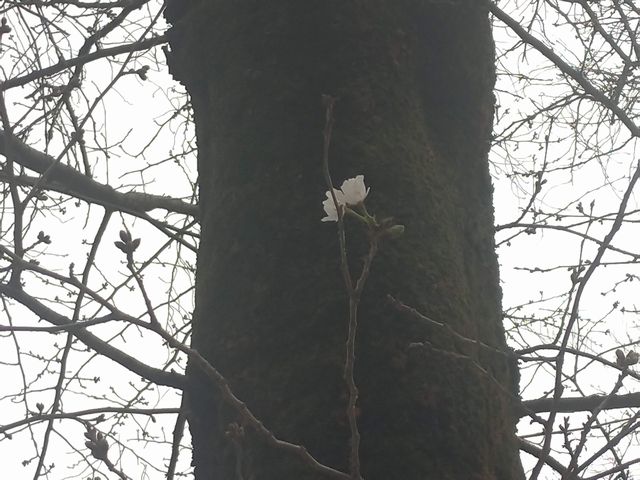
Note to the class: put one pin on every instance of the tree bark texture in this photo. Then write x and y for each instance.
(414, 85)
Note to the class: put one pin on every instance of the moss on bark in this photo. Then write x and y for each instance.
(414, 81)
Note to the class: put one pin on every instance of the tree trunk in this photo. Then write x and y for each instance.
(413, 80)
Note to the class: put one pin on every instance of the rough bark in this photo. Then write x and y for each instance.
(414, 81)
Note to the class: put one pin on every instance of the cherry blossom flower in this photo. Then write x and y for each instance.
(354, 190)
(352, 193)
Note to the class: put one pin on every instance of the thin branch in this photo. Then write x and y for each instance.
(80, 413)
(178, 431)
(62, 328)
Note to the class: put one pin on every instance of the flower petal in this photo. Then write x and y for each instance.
(354, 190)
(330, 207)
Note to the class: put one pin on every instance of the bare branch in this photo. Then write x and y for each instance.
(582, 404)
(69, 181)
(161, 377)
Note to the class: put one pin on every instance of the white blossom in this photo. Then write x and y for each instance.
(330, 207)
(354, 190)
(352, 193)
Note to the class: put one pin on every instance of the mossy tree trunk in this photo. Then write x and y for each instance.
(413, 80)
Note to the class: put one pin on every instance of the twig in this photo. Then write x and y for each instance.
(586, 428)
(67, 348)
(113, 469)
(93, 411)
(178, 431)
(537, 452)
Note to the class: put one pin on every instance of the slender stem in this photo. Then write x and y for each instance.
(354, 299)
(352, 412)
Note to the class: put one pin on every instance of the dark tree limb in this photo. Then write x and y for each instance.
(139, 367)
(580, 404)
(537, 452)
(69, 181)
